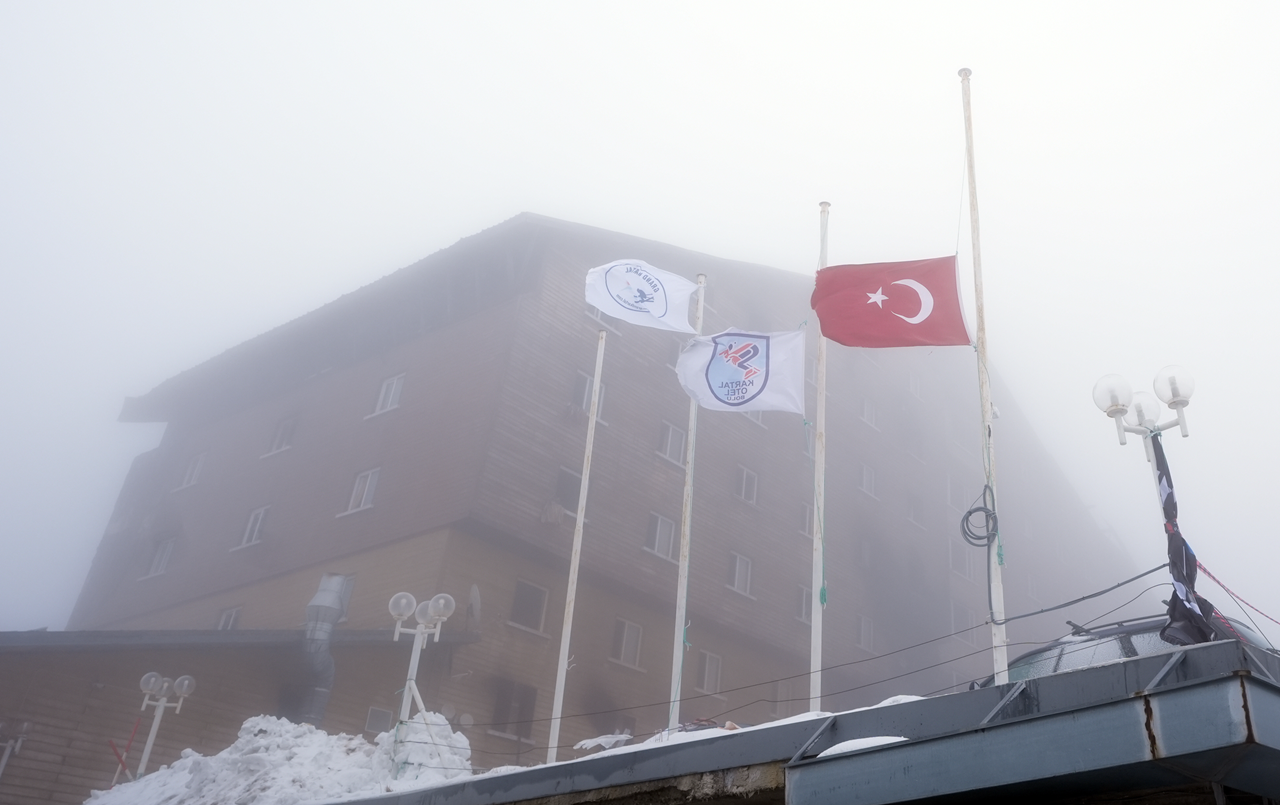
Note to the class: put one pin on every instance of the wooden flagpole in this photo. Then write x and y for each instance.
(562, 665)
(686, 522)
(995, 558)
(819, 591)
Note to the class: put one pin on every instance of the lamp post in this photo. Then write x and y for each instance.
(1140, 412)
(430, 615)
(161, 687)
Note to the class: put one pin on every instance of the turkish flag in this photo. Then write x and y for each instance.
(910, 304)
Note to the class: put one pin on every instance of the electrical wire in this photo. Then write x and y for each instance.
(1240, 601)
(990, 522)
(1083, 597)
(805, 674)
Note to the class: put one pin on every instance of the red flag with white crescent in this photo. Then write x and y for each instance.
(908, 304)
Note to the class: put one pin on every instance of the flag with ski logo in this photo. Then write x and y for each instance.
(634, 291)
(744, 371)
(1189, 614)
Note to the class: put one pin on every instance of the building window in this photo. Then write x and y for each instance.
(529, 606)
(915, 443)
(955, 494)
(962, 623)
(662, 537)
(379, 721)
(961, 559)
(864, 640)
(281, 438)
(746, 484)
(755, 416)
(915, 510)
(568, 490)
(806, 526)
(739, 573)
(389, 396)
(869, 412)
(868, 480)
(582, 396)
(805, 611)
(671, 446)
(160, 557)
(626, 642)
(362, 492)
(913, 384)
(708, 672)
(253, 529)
(228, 619)
(513, 709)
(193, 471)
(811, 370)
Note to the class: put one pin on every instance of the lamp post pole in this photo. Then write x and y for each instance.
(1139, 412)
(430, 615)
(161, 688)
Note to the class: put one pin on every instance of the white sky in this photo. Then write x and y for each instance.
(177, 178)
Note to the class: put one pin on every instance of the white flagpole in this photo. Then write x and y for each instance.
(686, 521)
(562, 665)
(819, 502)
(999, 647)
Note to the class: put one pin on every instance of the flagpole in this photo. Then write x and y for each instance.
(819, 591)
(575, 556)
(995, 552)
(686, 523)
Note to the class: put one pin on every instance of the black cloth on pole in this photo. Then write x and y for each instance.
(1190, 615)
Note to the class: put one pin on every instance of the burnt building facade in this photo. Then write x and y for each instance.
(426, 432)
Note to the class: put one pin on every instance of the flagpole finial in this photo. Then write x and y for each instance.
(824, 204)
(965, 72)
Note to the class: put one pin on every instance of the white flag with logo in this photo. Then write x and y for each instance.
(741, 371)
(634, 291)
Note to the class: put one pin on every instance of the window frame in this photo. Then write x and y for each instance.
(581, 400)
(805, 615)
(964, 632)
(253, 528)
(570, 507)
(868, 485)
(706, 660)
(869, 412)
(388, 395)
(542, 614)
(192, 474)
(366, 491)
(514, 707)
(228, 619)
(652, 542)
(746, 474)
(281, 436)
(161, 555)
(664, 447)
(737, 562)
(623, 628)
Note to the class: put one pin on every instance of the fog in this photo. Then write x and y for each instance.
(177, 179)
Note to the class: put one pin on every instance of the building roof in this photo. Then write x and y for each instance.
(1176, 720)
(477, 272)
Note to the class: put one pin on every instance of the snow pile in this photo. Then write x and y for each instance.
(277, 762)
(861, 743)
